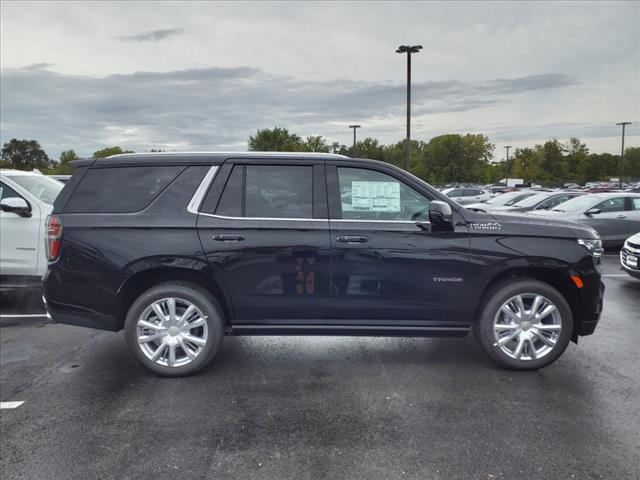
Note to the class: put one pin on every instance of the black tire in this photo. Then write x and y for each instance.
(191, 293)
(496, 297)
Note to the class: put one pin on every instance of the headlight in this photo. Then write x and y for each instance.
(592, 245)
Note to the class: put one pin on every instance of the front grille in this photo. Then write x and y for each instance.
(624, 254)
(635, 246)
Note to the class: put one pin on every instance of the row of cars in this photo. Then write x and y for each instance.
(615, 215)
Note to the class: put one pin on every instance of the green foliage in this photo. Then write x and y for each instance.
(25, 155)
(63, 167)
(275, 140)
(458, 158)
(316, 144)
(109, 151)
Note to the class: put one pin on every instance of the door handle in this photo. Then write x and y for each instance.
(621, 217)
(229, 237)
(352, 239)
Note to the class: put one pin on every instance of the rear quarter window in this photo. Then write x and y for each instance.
(121, 189)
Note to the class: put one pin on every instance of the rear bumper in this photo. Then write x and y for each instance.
(85, 302)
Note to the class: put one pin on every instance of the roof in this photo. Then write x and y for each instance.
(14, 173)
(199, 158)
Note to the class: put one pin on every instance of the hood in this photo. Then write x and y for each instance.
(635, 239)
(535, 225)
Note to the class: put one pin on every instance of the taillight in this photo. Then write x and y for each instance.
(54, 237)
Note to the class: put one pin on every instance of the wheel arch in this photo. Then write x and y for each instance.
(145, 279)
(558, 279)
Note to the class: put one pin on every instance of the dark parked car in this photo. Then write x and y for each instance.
(181, 249)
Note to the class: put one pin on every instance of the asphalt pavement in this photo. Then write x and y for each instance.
(322, 407)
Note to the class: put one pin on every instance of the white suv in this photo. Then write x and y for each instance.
(26, 198)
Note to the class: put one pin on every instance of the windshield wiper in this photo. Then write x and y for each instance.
(557, 210)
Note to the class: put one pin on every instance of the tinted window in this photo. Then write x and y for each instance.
(371, 195)
(120, 190)
(230, 203)
(611, 205)
(7, 192)
(281, 191)
(455, 193)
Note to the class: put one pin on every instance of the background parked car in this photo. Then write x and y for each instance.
(615, 216)
(26, 198)
(467, 195)
(540, 201)
(630, 256)
(504, 199)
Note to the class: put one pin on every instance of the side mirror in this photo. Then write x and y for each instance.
(593, 211)
(440, 215)
(16, 205)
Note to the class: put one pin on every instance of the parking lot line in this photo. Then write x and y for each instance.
(10, 405)
(616, 275)
(29, 315)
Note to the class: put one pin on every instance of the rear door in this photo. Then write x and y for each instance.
(265, 232)
(385, 267)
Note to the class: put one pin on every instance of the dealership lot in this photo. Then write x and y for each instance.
(295, 407)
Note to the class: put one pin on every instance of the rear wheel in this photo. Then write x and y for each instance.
(174, 329)
(525, 325)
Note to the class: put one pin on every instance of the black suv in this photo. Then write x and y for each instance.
(181, 249)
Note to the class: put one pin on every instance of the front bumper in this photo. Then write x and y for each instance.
(627, 263)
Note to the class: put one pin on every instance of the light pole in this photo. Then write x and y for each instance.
(624, 124)
(507, 147)
(355, 127)
(408, 49)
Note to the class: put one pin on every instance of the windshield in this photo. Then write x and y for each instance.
(508, 198)
(575, 204)
(46, 189)
(532, 200)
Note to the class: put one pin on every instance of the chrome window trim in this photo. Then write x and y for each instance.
(287, 219)
(345, 220)
(201, 191)
(270, 219)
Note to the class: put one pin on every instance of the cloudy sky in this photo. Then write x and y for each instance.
(205, 76)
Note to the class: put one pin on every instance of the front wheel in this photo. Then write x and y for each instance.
(174, 329)
(525, 325)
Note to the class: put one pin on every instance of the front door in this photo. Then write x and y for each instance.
(388, 263)
(265, 232)
(19, 238)
(612, 222)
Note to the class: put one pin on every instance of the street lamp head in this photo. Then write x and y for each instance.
(355, 126)
(409, 49)
(624, 123)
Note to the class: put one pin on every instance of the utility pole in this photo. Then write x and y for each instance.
(408, 49)
(355, 127)
(624, 124)
(507, 147)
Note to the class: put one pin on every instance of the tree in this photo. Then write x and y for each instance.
(109, 151)
(25, 155)
(369, 148)
(632, 163)
(63, 167)
(275, 140)
(316, 143)
(457, 158)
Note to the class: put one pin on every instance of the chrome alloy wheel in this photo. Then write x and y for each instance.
(172, 332)
(527, 327)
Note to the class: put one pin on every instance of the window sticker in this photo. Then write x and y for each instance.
(375, 197)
